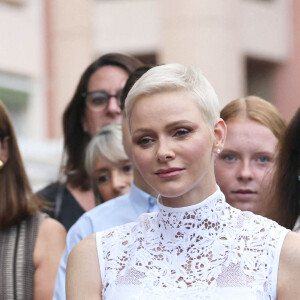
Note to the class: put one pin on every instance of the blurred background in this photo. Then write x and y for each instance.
(243, 47)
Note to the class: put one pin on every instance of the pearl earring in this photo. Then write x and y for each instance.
(218, 151)
(1, 164)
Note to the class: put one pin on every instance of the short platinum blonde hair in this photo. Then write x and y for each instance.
(177, 77)
(108, 143)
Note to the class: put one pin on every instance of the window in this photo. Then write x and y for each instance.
(260, 78)
(15, 94)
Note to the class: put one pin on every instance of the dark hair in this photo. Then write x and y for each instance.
(17, 202)
(75, 138)
(286, 185)
(132, 79)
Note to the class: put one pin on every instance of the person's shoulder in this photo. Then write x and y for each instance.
(83, 270)
(289, 267)
(110, 205)
(51, 232)
(49, 224)
(250, 216)
(86, 243)
(49, 192)
(109, 209)
(140, 226)
(83, 248)
(291, 245)
(101, 217)
(51, 240)
(257, 224)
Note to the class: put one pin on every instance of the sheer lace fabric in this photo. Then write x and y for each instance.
(206, 251)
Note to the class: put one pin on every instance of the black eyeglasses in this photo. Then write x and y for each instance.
(98, 100)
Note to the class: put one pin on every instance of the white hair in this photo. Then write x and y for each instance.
(177, 77)
(108, 143)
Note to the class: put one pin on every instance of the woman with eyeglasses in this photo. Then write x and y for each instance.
(96, 103)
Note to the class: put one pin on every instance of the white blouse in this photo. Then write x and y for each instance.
(205, 251)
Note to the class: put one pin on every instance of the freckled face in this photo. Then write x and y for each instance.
(244, 168)
(172, 145)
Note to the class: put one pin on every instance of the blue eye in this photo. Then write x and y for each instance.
(264, 159)
(144, 141)
(228, 157)
(182, 132)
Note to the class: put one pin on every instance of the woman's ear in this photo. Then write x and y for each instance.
(4, 149)
(220, 131)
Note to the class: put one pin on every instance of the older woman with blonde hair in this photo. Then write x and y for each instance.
(108, 165)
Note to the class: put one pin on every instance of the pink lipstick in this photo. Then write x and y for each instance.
(168, 173)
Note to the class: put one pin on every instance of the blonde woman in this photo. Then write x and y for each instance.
(196, 246)
(108, 165)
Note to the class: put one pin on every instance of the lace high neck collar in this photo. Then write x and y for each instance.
(191, 220)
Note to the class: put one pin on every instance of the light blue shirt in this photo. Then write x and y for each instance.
(115, 212)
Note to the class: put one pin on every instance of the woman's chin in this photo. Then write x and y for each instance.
(176, 193)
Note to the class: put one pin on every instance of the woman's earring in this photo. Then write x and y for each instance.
(1, 164)
(218, 151)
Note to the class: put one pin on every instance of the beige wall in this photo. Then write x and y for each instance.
(126, 26)
(287, 76)
(216, 35)
(70, 51)
(265, 29)
(51, 42)
(22, 53)
(205, 33)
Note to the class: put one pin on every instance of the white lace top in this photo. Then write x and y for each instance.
(206, 251)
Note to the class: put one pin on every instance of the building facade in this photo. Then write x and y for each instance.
(243, 47)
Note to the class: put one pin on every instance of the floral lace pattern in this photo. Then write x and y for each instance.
(196, 252)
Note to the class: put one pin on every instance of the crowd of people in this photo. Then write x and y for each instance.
(161, 194)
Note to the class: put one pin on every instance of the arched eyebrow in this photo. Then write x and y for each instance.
(180, 122)
(171, 125)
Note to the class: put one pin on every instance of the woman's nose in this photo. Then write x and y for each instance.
(118, 181)
(164, 152)
(245, 171)
(113, 107)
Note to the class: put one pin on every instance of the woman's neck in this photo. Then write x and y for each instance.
(194, 196)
